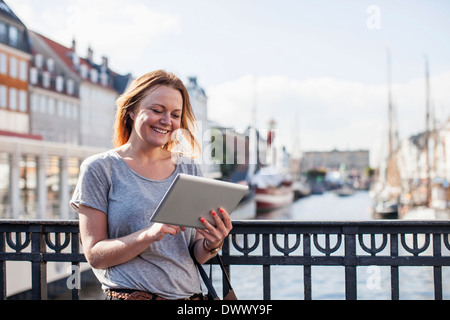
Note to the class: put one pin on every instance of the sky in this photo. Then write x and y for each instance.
(317, 67)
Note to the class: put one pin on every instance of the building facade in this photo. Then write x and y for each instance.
(205, 129)
(54, 95)
(15, 56)
(93, 90)
(46, 92)
(334, 160)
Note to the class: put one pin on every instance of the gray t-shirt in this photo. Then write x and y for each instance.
(165, 268)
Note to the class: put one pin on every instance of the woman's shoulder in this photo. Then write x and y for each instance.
(101, 160)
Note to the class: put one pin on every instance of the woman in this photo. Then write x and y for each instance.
(118, 190)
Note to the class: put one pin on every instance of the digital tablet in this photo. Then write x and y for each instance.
(190, 197)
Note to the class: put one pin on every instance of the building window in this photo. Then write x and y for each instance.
(34, 103)
(3, 63)
(53, 179)
(33, 75)
(68, 110)
(70, 87)
(43, 104)
(94, 75)
(13, 36)
(23, 101)
(13, 99)
(13, 67)
(5, 202)
(75, 112)
(50, 64)
(60, 108)
(51, 106)
(74, 171)
(84, 71)
(2, 32)
(28, 186)
(46, 79)
(23, 70)
(38, 60)
(59, 83)
(3, 97)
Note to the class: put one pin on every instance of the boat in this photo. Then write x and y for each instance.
(344, 191)
(301, 189)
(273, 190)
(385, 209)
(387, 190)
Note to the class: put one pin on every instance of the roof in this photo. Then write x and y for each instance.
(7, 12)
(116, 81)
(7, 15)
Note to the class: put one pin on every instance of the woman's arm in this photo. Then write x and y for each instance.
(102, 252)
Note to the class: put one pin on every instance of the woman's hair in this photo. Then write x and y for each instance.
(129, 101)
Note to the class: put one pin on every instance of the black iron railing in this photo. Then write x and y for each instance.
(263, 243)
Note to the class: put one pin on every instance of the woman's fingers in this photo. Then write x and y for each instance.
(215, 235)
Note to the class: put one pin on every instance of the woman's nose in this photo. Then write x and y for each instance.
(165, 119)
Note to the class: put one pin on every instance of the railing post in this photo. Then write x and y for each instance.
(350, 262)
(266, 268)
(2, 268)
(307, 267)
(38, 265)
(394, 269)
(225, 254)
(75, 265)
(437, 270)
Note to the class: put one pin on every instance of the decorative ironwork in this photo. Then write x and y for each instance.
(392, 243)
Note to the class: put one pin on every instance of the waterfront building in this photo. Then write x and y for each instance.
(423, 164)
(56, 109)
(205, 128)
(54, 95)
(96, 86)
(334, 160)
(15, 56)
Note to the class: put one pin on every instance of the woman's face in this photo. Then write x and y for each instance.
(158, 116)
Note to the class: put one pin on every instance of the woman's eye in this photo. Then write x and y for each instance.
(157, 111)
(177, 116)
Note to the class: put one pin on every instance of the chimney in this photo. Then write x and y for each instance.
(104, 63)
(74, 45)
(90, 55)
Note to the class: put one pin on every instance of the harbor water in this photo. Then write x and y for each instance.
(328, 282)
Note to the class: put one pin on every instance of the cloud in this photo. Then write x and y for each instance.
(326, 113)
(121, 30)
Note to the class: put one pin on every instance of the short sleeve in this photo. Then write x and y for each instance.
(92, 187)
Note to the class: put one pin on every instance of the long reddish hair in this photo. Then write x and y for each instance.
(129, 101)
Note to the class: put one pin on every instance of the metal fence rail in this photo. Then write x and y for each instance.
(266, 243)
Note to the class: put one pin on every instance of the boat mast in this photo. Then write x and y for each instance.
(427, 131)
(393, 178)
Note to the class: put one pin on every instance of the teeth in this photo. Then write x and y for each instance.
(160, 131)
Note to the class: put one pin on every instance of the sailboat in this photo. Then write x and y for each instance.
(429, 200)
(387, 192)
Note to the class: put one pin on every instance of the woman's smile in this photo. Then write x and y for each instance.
(160, 131)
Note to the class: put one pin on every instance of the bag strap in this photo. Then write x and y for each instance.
(212, 292)
(208, 283)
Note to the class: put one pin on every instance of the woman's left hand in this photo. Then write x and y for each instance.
(215, 235)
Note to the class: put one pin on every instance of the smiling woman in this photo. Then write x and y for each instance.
(118, 191)
(158, 97)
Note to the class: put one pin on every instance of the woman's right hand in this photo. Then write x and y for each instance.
(102, 252)
(158, 230)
